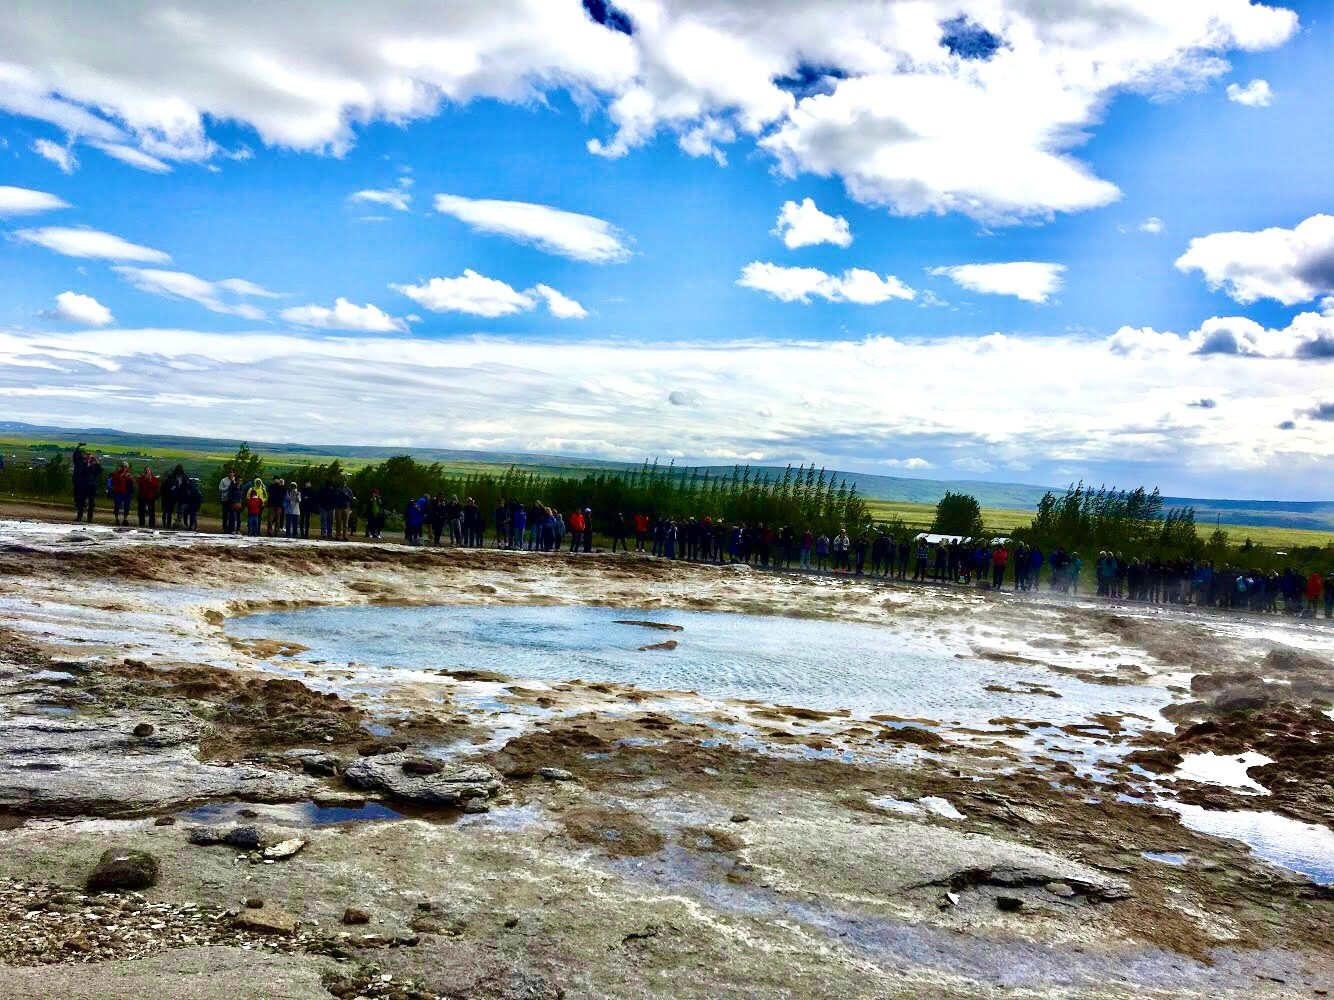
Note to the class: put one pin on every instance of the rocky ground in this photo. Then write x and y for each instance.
(249, 834)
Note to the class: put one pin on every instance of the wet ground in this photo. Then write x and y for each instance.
(825, 788)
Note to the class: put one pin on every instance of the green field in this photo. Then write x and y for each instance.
(1004, 520)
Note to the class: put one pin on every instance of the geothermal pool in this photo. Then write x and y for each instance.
(866, 669)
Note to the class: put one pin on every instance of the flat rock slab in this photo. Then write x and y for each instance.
(450, 786)
(79, 766)
(265, 920)
(181, 974)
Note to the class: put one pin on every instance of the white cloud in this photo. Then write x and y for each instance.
(551, 230)
(1287, 265)
(1152, 225)
(911, 464)
(71, 307)
(478, 295)
(975, 465)
(24, 201)
(560, 306)
(133, 157)
(1255, 94)
(798, 284)
(62, 156)
(804, 225)
(215, 296)
(397, 197)
(345, 316)
(1085, 408)
(906, 118)
(1310, 335)
(90, 243)
(1027, 280)
(470, 293)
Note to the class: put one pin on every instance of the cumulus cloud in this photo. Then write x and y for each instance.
(551, 230)
(1027, 280)
(560, 306)
(1310, 335)
(224, 297)
(90, 243)
(1084, 408)
(71, 307)
(62, 156)
(803, 225)
(1287, 265)
(798, 284)
(478, 295)
(345, 316)
(1152, 225)
(911, 464)
(917, 107)
(1255, 94)
(24, 201)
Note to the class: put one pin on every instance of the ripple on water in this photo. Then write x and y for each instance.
(815, 664)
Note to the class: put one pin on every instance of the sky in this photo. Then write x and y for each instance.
(1007, 240)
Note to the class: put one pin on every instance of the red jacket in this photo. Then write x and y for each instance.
(1000, 557)
(641, 524)
(148, 487)
(122, 483)
(576, 522)
(1314, 586)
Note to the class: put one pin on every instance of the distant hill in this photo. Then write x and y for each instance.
(1315, 515)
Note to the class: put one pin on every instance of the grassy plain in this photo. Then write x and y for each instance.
(1003, 520)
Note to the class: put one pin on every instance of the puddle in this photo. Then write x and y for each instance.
(1301, 847)
(1223, 769)
(297, 814)
(1165, 857)
(824, 665)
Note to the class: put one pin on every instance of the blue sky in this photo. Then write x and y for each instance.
(665, 316)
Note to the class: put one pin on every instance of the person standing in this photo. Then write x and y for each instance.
(375, 515)
(807, 544)
(122, 492)
(999, 558)
(923, 557)
(255, 498)
(292, 511)
(276, 504)
(147, 487)
(343, 501)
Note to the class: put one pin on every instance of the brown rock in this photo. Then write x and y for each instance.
(265, 921)
(353, 916)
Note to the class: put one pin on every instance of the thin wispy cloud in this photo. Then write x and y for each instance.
(551, 230)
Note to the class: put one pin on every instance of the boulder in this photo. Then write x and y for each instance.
(450, 786)
(555, 774)
(353, 916)
(265, 920)
(124, 869)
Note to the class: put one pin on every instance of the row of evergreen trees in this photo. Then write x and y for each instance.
(802, 497)
(1129, 521)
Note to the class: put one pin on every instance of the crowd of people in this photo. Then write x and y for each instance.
(289, 509)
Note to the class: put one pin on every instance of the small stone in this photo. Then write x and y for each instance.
(284, 850)
(511, 923)
(165, 821)
(740, 818)
(1060, 889)
(205, 836)
(144, 730)
(254, 904)
(555, 774)
(425, 906)
(124, 869)
(265, 921)
(1009, 904)
(247, 813)
(476, 806)
(353, 916)
(407, 940)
